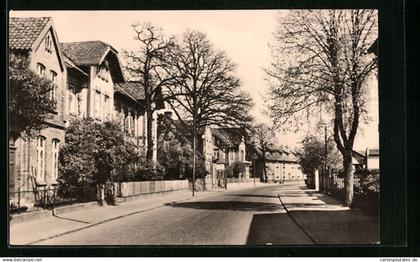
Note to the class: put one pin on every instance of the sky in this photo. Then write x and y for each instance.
(243, 34)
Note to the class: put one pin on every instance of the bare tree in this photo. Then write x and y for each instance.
(148, 66)
(262, 137)
(320, 65)
(210, 93)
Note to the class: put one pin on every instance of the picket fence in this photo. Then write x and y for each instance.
(128, 189)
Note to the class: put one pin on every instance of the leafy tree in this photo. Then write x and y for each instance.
(94, 153)
(320, 65)
(175, 151)
(235, 169)
(30, 102)
(175, 157)
(206, 92)
(312, 154)
(262, 137)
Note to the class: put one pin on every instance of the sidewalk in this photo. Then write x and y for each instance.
(31, 232)
(34, 231)
(326, 221)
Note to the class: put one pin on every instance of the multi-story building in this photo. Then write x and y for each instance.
(89, 82)
(281, 165)
(36, 39)
(96, 88)
(220, 147)
(224, 146)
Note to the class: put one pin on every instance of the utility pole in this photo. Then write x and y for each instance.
(326, 147)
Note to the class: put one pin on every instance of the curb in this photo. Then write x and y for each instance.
(20, 218)
(111, 219)
(84, 205)
(73, 208)
(295, 221)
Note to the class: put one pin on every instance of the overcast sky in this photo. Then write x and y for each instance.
(243, 34)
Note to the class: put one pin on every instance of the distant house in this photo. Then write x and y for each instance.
(225, 146)
(36, 39)
(219, 147)
(372, 159)
(282, 165)
(368, 160)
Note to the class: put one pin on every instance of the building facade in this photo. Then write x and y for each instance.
(37, 158)
(281, 165)
(89, 83)
(223, 147)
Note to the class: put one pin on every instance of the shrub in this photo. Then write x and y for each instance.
(369, 181)
(175, 158)
(235, 169)
(94, 153)
(30, 103)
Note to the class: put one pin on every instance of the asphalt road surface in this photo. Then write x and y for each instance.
(250, 216)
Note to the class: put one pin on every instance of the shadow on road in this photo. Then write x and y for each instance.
(229, 205)
(275, 229)
(250, 195)
(339, 227)
(314, 227)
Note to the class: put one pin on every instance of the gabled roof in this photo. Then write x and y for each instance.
(26, 33)
(70, 64)
(90, 53)
(229, 136)
(281, 155)
(133, 90)
(86, 53)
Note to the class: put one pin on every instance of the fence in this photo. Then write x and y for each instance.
(47, 197)
(335, 186)
(126, 189)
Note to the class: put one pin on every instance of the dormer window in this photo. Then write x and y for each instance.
(48, 44)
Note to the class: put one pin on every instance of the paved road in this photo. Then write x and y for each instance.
(250, 216)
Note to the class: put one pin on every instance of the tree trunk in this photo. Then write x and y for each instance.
(348, 179)
(194, 156)
(149, 136)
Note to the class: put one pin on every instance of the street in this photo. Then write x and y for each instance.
(253, 216)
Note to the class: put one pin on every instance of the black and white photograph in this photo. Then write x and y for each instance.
(193, 127)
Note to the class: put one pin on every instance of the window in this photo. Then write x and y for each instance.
(40, 157)
(53, 77)
(106, 107)
(216, 154)
(97, 103)
(40, 69)
(72, 100)
(132, 126)
(102, 72)
(54, 151)
(48, 43)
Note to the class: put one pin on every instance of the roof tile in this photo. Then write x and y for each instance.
(86, 52)
(23, 31)
(132, 89)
